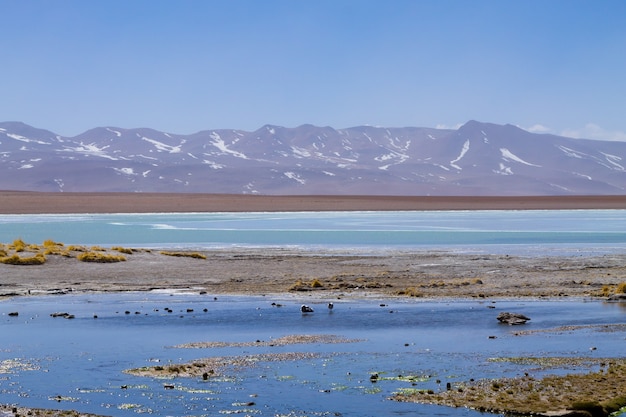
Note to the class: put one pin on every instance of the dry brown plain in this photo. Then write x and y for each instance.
(20, 202)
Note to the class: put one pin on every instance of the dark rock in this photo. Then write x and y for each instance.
(617, 297)
(512, 318)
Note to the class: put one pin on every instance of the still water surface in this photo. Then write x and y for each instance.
(81, 361)
(525, 232)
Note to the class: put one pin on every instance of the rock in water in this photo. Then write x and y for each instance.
(512, 318)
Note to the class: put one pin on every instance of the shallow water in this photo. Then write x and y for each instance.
(81, 361)
(495, 231)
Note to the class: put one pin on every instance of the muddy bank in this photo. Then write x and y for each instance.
(275, 271)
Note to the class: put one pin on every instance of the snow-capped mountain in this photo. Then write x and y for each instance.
(477, 159)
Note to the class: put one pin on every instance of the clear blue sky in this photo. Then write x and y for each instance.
(181, 66)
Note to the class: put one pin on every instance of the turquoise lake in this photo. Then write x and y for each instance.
(526, 232)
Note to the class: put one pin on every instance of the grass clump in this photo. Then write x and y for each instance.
(120, 249)
(15, 259)
(99, 257)
(50, 247)
(608, 290)
(194, 255)
(316, 283)
(300, 285)
(411, 292)
(18, 245)
(49, 243)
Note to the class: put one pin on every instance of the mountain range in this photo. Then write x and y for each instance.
(475, 159)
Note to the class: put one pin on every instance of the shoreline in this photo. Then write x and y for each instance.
(425, 275)
(25, 202)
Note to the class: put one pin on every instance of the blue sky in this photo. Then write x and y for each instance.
(181, 66)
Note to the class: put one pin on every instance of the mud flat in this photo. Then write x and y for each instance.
(276, 271)
(592, 394)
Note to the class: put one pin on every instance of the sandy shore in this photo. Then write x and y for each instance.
(16, 202)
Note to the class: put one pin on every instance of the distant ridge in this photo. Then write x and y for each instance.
(476, 159)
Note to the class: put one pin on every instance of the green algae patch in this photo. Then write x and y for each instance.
(599, 393)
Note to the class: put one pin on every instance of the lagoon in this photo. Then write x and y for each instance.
(79, 364)
(489, 231)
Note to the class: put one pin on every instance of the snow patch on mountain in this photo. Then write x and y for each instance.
(219, 143)
(213, 164)
(295, 177)
(445, 168)
(116, 132)
(164, 147)
(509, 156)
(90, 149)
(300, 152)
(125, 171)
(571, 152)
(503, 170)
(25, 139)
(582, 175)
(613, 160)
(464, 150)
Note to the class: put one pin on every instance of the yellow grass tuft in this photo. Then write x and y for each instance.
(18, 245)
(411, 292)
(49, 243)
(195, 255)
(316, 283)
(100, 257)
(120, 249)
(15, 259)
